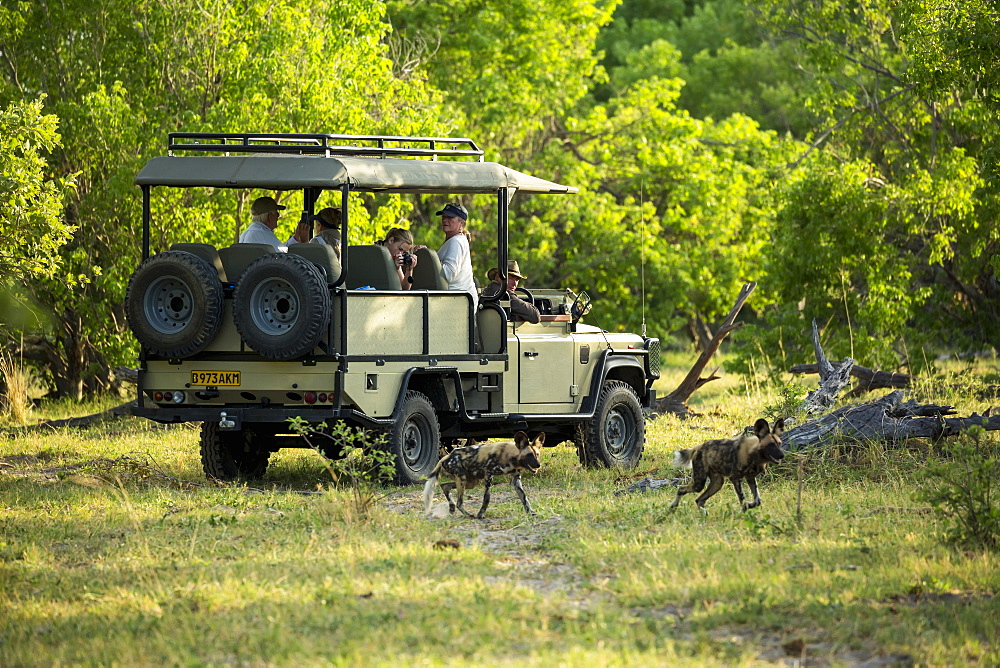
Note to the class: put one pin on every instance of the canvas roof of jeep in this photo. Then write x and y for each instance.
(367, 163)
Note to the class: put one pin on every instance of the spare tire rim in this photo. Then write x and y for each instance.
(618, 431)
(274, 306)
(168, 305)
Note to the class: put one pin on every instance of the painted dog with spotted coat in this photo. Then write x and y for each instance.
(473, 463)
(743, 456)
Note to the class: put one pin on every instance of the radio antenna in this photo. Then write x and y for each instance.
(642, 258)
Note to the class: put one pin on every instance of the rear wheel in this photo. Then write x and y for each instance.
(615, 438)
(415, 439)
(232, 455)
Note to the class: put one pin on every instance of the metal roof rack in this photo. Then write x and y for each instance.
(375, 146)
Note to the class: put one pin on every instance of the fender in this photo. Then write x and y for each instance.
(624, 365)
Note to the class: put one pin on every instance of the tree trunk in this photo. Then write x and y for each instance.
(676, 401)
(832, 378)
(868, 379)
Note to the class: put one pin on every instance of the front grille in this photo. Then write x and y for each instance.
(653, 359)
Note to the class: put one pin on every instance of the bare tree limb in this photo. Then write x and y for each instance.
(675, 402)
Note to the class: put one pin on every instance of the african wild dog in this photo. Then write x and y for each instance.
(743, 456)
(473, 463)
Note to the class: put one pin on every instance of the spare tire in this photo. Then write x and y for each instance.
(174, 304)
(282, 306)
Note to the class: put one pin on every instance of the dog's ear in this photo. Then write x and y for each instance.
(760, 428)
(779, 427)
(539, 440)
(521, 439)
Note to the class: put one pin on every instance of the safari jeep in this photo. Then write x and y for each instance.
(243, 338)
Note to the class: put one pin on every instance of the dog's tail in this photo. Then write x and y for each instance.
(429, 487)
(682, 458)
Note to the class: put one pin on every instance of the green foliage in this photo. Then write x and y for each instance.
(954, 46)
(361, 465)
(788, 403)
(963, 491)
(31, 224)
(506, 68)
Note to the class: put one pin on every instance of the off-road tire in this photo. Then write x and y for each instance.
(415, 439)
(174, 304)
(616, 436)
(232, 455)
(281, 306)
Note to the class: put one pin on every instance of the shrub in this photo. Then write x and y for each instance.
(360, 465)
(962, 492)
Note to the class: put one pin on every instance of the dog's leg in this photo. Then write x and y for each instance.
(446, 487)
(752, 481)
(461, 498)
(738, 486)
(516, 482)
(486, 497)
(696, 484)
(716, 483)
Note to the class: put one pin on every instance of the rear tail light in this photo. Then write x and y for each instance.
(310, 397)
(179, 397)
(322, 397)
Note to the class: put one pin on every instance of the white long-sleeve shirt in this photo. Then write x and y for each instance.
(456, 262)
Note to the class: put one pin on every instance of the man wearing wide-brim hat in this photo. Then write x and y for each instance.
(519, 308)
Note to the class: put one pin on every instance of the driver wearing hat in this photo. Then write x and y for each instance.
(519, 308)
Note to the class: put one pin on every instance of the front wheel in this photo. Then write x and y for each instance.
(232, 455)
(615, 438)
(415, 439)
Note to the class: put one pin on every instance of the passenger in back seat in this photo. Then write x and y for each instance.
(456, 257)
(264, 214)
(399, 243)
(328, 228)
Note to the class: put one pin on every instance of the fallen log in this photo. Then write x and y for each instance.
(886, 420)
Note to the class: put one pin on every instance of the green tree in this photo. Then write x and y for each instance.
(505, 68)
(31, 223)
(890, 203)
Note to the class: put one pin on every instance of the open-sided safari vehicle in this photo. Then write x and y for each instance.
(243, 338)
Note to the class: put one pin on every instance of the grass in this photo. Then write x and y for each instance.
(121, 561)
(14, 385)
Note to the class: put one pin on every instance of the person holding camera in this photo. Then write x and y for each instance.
(399, 242)
(519, 308)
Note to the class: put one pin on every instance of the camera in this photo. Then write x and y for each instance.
(407, 259)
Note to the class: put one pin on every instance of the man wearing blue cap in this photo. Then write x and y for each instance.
(455, 255)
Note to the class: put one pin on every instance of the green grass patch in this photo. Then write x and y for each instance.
(114, 549)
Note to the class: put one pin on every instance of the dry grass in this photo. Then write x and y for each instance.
(15, 403)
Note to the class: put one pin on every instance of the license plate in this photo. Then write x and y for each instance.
(215, 378)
